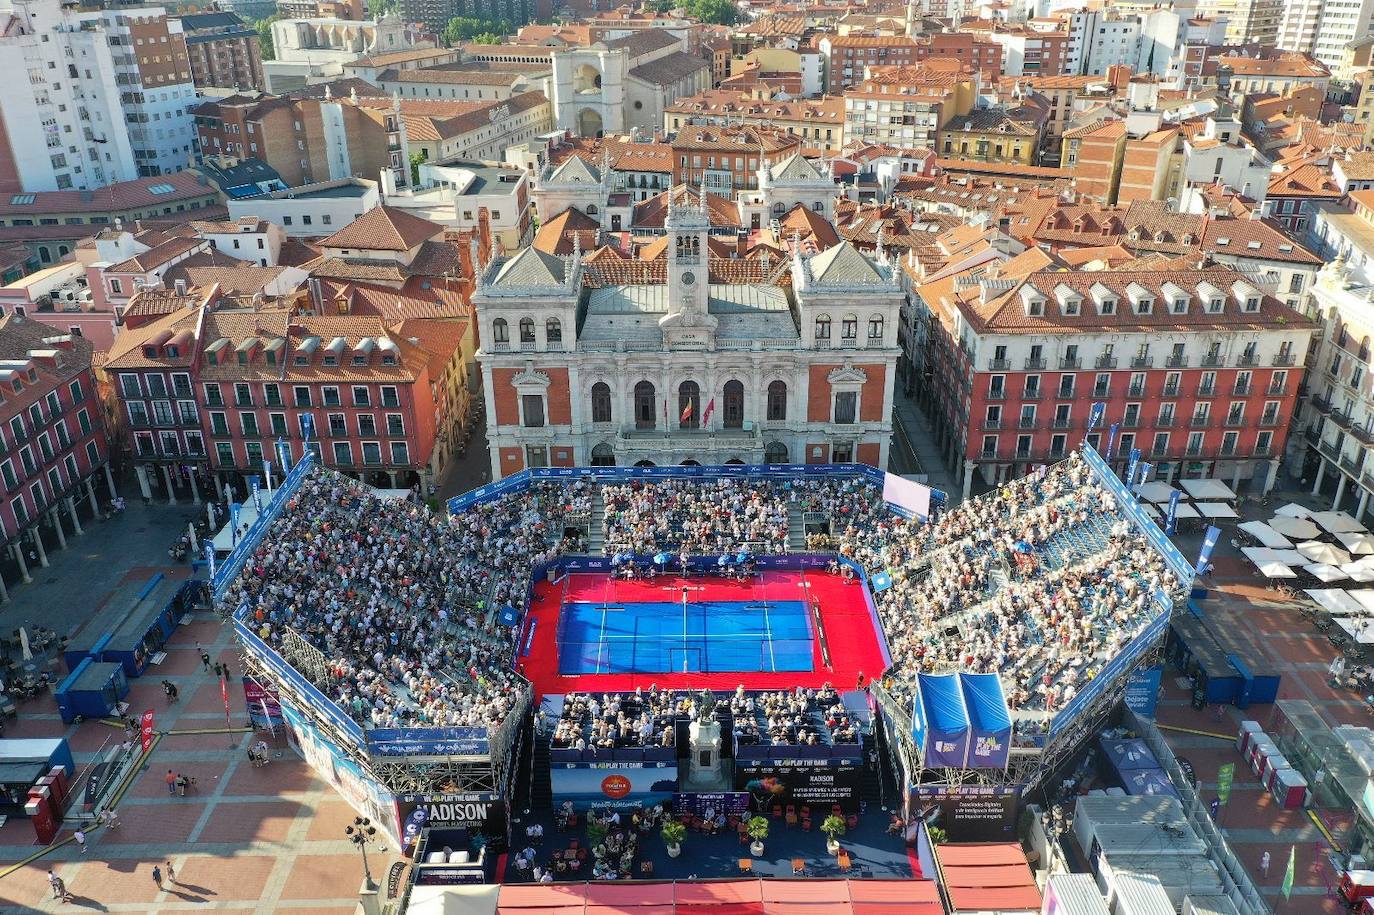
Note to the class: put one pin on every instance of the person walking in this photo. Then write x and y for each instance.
(171, 783)
(171, 873)
(108, 818)
(157, 876)
(59, 891)
(1264, 864)
(205, 659)
(80, 837)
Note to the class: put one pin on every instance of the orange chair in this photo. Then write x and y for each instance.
(791, 808)
(845, 862)
(777, 810)
(836, 810)
(798, 867)
(746, 865)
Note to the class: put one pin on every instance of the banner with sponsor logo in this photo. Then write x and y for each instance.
(264, 705)
(363, 793)
(970, 813)
(477, 812)
(817, 782)
(613, 784)
(1142, 690)
(447, 741)
(725, 803)
(146, 730)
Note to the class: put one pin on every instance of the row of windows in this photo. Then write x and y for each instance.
(39, 419)
(849, 327)
(553, 330)
(58, 480)
(26, 456)
(1132, 415)
(1160, 447)
(689, 415)
(336, 425)
(1242, 384)
(302, 395)
(370, 454)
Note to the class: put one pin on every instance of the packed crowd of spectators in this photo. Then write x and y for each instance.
(398, 598)
(700, 516)
(643, 718)
(1047, 627)
(800, 717)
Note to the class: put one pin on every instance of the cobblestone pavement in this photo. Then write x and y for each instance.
(259, 840)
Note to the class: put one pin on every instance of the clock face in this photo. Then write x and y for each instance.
(689, 278)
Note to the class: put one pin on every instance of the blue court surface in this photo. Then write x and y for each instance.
(700, 637)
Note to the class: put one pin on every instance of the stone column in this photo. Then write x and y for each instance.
(95, 503)
(23, 563)
(391, 474)
(1235, 478)
(195, 489)
(1272, 476)
(4, 591)
(142, 473)
(1173, 469)
(1340, 493)
(1321, 472)
(71, 510)
(38, 546)
(1364, 501)
(167, 477)
(968, 477)
(57, 526)
(109, 480)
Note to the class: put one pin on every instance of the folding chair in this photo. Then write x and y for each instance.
(798, 867)
(746, 865)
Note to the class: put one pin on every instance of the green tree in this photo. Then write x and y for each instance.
(467, 28)
(264, 30)
(415, 159)
(380, 7)
(720, 12)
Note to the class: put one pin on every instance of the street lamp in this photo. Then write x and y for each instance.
(360, 833)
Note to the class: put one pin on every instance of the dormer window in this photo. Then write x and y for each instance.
(1071, 307)
(1033, 301)
(212, 357)
(331, 359)
(359, 359)
(1109, 306)
(301, 360)
(1252, 303)
(243, 357)
(1215, 306)
(388, 359)
(1180, 306)
(150, 352)
(271, 357)
(1143, 306)
(173, 352)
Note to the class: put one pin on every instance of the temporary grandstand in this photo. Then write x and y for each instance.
(395, 637)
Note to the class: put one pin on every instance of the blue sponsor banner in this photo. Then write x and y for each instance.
(1111, 440)
(362, 792)
(1142, 690)
(1130, 468)
(235, 510)
(918, 719)
(1209, 543)
(1171, 522)
(880, 581)
(257, 496)
(1145, 468)
(1095, 415)
(508, 616)
(427, 741)
(210, 558)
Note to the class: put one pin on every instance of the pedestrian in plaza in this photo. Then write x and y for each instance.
(219, 669)
(59, 889)
(171, 782)
(171, 873)
(108, 818)
(1264, 864)
(205, 659)
(157, 876)
(80, 837)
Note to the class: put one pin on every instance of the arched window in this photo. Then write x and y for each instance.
(849, 327)
(822, 327)
(603, 455)
(733, 413)
(601, 402)
(527, 330)
(500, 333)
(689, 405)
(875, 327)
(43, 254)
(778, 209)
(646, 404)
(591, 209)
(553, 330)
(775, 453)
(777, 400)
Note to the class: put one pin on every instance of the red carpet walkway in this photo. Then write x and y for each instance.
(849, 631)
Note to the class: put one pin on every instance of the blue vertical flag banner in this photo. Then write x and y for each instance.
(257, 497)
(1145, 468)
(267, 473)
(308, 425)
(1111, 442)
(1171, 522)
(284, 455)
(235, 510)
(1095, 416)
(1130, 468)
(210, 557)
(1209, 543)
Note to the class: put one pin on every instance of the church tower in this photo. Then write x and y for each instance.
(688, 323)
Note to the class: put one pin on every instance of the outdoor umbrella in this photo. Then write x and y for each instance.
(1324, 552)
(1294, 510)
(1358, 571)
(1357, 543)
(1295, 527)
(1338, 522)
(1324, 572)
(24, 650)
(1277, 570)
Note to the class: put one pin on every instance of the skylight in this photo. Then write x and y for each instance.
(160, 189)
(22, 199)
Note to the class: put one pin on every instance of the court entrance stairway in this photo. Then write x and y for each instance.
(596, 528)
(796, 529)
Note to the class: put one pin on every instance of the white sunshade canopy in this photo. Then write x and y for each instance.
(1324, 572)
(1185, 510)
(1357, 543)
(1208, 489)
(1317, 551)
(1266, 534)
(1338, 523)
(1277, 570)
(1358, 572)
(1335, 600)
(1294, 510)
(1216, 510)
(1295, 527)
(1156, 491)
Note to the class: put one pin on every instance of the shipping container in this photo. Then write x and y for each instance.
(1073, 894)
(1139, 894)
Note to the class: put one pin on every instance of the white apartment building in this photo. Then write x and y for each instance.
(1099, 39)
(109, 93)
(1247, 20)
(1323, 28)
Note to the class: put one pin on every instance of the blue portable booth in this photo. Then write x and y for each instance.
(1227, 669)
(146, 628)
(94, 690)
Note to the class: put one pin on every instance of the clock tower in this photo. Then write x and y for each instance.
(688, 323)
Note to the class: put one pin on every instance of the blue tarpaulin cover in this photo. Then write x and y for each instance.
(1140, 782)
(1127, 755)
(989, 720)
(947, 719)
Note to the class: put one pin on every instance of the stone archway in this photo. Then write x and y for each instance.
(589, 123)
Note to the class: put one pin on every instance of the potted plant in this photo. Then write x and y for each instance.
(757, 828)
(596, 833)
(673, 833)
(833, 827)
(937, 835)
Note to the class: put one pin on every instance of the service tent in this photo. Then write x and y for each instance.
(1216, 510)
(1316, 551)
(1365, 599)
(1294, 510)
(946, 718)
(1155, 491)
(1357, 543)
(1338, 523)
(1208, 489)
(1148, 782)
(987, 877)
(1262, 554)
(989, 720)
(1265, 534)
(471, 899)
(1324, 572)
(1294, 527)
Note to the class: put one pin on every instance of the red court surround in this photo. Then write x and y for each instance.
(849, 631)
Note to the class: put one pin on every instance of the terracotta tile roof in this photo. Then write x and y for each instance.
(556, 235)
(141, 193)
(417, 299)
(19, 336)
(1306, 180)
(1285, 64)
(440, 340)
(127, 350)
(156, 256)
(383, 228)
(652, 213)
(828, 109)
(808, 225)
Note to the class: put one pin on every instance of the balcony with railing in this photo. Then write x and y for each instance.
(1027, 423)
(1247, 360)
(1035, 364)
(1142, 362)
(1032, 393)
(1361, 434)
(1164, 422)
(997, 393)
(1283, 360)
(1269, 418)
(1321, 404)
(1212, 360)
(1105, 362)
(1136, 390)
(1070, 364)
(1235, 420)
(999, 365)
(1176, 362)
(1241, 388)
(1276, 388)
(1102, 390)
(1206, 390)
(1062, 422)
(992, 425)
(1200, 422)
(1169, 390)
